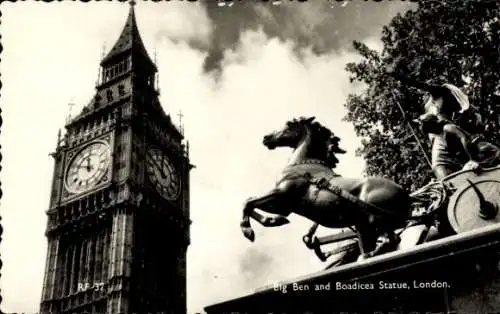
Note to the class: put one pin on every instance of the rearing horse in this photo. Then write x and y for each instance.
(308, 187)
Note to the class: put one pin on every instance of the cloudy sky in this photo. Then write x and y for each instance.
(236, 73)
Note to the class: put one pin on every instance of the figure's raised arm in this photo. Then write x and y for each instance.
(434, 89)
(393, 70)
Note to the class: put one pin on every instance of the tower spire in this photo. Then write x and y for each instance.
(103, 50)
(129, 41)
(181, 126)
(71, 104)
(157, 76)
(99, 70)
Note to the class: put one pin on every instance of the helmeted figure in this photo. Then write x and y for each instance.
(452, 148)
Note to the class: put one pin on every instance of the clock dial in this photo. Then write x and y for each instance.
(88, 167)
(162, 174)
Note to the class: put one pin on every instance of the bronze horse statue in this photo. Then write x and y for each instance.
(374, 207)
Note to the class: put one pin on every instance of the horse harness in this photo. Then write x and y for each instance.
(326, 182)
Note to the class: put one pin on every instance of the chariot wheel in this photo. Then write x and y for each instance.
(475, 205)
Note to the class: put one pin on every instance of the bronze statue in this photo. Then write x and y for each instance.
(452, 148)
(374, 207)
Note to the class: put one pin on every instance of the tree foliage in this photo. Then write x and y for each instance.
(459, 40)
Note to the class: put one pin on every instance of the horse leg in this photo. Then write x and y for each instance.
(367, 240)
(385, 196)
(315, 243)
(308, 237)
(366, 230)
(372, 242)
(389, 242)
(268, 202)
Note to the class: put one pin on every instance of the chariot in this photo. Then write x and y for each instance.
(461, 202)
(376, 214)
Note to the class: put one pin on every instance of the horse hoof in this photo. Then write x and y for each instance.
(249, 234)
(279, 221)
(248, 200)
(363, 257)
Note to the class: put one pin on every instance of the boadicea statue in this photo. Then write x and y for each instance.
(375, 209)
(308, 186)
(452, 148)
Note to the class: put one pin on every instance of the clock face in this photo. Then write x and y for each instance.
(88, 167)
(162, 174)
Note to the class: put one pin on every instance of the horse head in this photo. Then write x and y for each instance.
(318, 141)
(289, 136)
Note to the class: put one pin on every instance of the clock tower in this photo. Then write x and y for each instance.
(118, 219)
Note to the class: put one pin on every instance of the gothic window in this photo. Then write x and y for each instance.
(98, 99)
(109, 95)
(150, 81)
(121, 89)
(119, 148)
(107, 75)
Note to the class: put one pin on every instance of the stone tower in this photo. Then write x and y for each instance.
(118, 219)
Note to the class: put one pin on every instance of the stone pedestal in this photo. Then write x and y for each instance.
(459, 274)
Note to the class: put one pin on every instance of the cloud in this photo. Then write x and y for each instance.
(254, 265)
(275, 63)
(320, 25)
(190, 24)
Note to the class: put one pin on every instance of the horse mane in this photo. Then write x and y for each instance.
(326, 135)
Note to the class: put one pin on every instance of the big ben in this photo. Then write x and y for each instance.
(118, 219)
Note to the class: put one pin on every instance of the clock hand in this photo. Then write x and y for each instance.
(88, 164)
(163, 174)
(159, 166)
(162, 170)
(81, 165)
